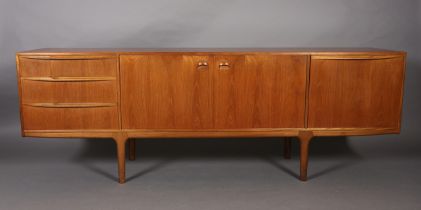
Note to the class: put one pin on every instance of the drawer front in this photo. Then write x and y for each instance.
(52, 117)
(69, 92)
(104, 67)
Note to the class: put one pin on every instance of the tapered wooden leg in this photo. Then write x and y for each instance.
(304, 138)
(287, 148)
(132, 149)
(120, 141)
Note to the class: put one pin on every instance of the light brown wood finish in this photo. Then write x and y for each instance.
(69, 93)
(71, 67)
(183, 93)
(304, 139)
(68, 79)
(51, 118)
(361, 93)
(259, 91)
(120, 140)
(70, 105)
(166, 92)
(212, 133)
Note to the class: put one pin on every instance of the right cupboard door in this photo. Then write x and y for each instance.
(347, 92)
(259, 91)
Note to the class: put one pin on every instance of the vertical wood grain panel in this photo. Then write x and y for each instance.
(355, 93)
(165, 92)
(260, 91)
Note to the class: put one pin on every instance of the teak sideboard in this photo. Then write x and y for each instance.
(182, 93)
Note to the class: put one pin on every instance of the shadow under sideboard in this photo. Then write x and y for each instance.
(236, 148)
(165, 151)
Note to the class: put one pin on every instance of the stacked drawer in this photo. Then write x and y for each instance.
(62, 93)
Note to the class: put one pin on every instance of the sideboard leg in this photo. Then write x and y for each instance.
(132, 149)
(304, 138)
(120, 141)
(287, 148)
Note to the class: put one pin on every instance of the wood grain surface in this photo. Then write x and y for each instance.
(166, 91)
(356, 93)
(259, 91)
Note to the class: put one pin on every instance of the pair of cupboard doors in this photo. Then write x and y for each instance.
(213, 92)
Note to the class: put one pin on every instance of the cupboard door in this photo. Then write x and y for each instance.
(165, 92)
(355, 93)
(259, 91)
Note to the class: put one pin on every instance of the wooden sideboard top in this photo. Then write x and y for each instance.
(307, 51)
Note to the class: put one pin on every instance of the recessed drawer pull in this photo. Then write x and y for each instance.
(68, 57)
(353, 57)
(69, 79)
(70, 105)
(202, 65)
(224, 65)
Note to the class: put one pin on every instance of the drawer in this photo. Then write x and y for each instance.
(34, 91)
(101, 67)
(48, 116)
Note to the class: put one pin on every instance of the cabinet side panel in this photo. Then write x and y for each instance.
(350, 93)
(18, 76)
